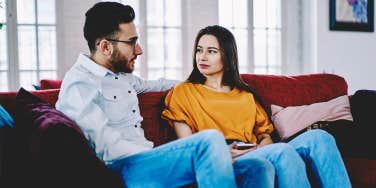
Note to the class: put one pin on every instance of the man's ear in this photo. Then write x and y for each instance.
(105, 47)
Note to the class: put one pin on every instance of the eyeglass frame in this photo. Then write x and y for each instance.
(131, 42)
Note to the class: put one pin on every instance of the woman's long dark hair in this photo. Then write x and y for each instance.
(229, 53)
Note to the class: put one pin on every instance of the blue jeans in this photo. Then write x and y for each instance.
(315, 148)
(203, 158)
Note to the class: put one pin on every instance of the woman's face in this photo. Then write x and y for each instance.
(208, 56)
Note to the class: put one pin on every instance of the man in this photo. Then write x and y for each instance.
(100, 94)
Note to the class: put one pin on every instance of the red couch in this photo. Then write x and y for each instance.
(280, 90)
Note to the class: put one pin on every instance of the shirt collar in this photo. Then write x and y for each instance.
(93, 67)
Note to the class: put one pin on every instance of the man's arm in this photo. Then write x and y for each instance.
(161, 84)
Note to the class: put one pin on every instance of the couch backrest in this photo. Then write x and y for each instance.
(296, 90)
(8, 99)
(280, 90)
(156, 129)
(50, 84)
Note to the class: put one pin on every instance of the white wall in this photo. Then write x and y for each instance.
(70, 20)
(348, 54)
(351, 55)
(197, 14)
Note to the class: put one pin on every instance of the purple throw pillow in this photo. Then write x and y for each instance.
(32, 109)
(58, 149)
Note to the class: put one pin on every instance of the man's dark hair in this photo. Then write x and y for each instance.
(103, 19)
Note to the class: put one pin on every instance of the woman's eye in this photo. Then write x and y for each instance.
(212, 51)
(198, 50)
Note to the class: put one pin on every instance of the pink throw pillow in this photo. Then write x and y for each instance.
(290, 120)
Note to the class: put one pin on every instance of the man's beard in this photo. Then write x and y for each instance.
(119, 62)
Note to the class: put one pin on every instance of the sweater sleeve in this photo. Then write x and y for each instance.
(176, 108)
(262, 124)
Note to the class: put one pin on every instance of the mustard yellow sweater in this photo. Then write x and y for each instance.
(236, 113)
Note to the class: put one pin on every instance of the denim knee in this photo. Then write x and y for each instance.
(285, 151)
(320, 137)
(259, 165)
(211, 135)
(280, 148)
(212, 138)
(255, 171)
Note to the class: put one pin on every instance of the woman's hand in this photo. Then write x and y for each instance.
(236, 152)
(264, 139)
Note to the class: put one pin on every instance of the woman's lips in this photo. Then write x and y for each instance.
(203, 66)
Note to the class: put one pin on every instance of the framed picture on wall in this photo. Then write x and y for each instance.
(351, 15)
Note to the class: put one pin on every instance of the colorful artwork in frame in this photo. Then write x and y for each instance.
(351, 15)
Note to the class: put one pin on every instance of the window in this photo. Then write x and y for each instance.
(32, 27)
(259, 37)
(164, 39)
(159, 23)
(3, 49)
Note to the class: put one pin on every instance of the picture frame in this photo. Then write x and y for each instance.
(351, 15)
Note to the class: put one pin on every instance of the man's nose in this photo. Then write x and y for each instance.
(138, 49)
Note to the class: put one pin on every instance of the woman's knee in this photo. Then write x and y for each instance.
(262, 165)
(319, 136)
(255, 165)
(283, 148)
(283, 152)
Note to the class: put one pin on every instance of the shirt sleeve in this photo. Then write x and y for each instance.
(175, 109)
(262, 124)
(78, 102)
(161, 84)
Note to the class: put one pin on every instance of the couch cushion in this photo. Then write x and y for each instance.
(362, 104)
(50, 84)
(296, 90)
(6, 123)
(156, 129)
(58, 150)
(8, 99)
(41, 115)
(290, 120)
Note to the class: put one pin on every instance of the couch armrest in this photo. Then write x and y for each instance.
(2, 144)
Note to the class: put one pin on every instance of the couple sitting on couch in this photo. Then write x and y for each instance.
(100, 94)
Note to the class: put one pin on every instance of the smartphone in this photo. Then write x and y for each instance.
(242, 146)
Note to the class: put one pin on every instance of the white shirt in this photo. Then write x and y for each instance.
(105, 106)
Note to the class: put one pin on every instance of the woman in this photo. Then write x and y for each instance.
(215, 97)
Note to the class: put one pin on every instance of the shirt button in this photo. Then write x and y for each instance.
(116, 78)
(135, 126)
(133, 111)
(129, 91)
(114, 97)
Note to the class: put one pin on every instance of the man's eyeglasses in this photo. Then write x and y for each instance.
(131, 42)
